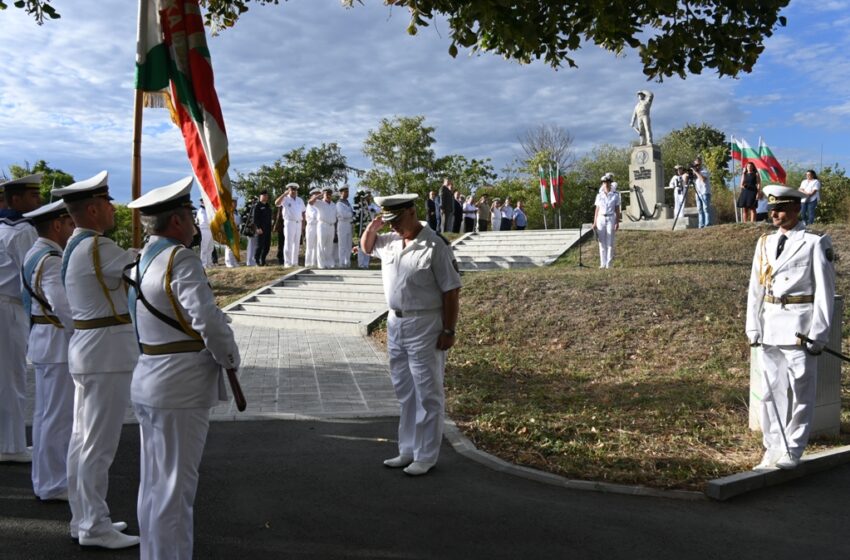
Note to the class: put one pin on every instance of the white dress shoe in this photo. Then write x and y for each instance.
(788, 462)
(771, 456)
(117, 525)
(111, 539)
(24, 456)
(418, 468)
(398, 462)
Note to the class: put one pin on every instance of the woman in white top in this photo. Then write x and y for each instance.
(810, 187)
(606, 221)
(496, 214)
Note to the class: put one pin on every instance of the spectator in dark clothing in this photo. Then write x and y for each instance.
(277, 227)
(263, 223)
(447, 207)
(431, 205)
(457, 213)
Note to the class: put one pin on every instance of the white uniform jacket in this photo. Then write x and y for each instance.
(326, 212)
(416, 277)
(312, 214)
(188, 379)
(344, 212)
(48, 344)
(16, 238)
(805, 267)
(293, 208)
(109, 349)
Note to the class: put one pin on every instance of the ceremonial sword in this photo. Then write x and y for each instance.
(839, 355)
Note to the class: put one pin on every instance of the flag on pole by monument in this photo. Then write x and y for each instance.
(737, 150)
(775, 169)
(751, 155)
(174, 70)
(544, 195)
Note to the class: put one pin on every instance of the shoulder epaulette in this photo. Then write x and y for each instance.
(815, 232)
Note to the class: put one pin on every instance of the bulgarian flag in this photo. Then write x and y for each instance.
(751, 155)
(173, 68)
(737, 151)
(544, 195)
(777, 172)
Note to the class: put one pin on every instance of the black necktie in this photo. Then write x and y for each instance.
(780, 245)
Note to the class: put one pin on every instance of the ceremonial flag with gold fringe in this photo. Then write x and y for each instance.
(174, 70)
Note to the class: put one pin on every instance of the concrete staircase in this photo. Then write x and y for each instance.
(339, 301)
(492, 250)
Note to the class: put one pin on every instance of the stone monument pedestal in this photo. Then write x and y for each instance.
(646, 209)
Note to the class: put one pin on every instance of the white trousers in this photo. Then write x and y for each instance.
(52, 420)
(252, 248)
(310, 254)
(344, 236)
(679, 201)
(362, 258)
(172, 445)
(14, 332)
(100, 404)
(206, 246)
(416, 369)
(229, 258)
(787, 367)
(292, 242)
(325, 245)
(605, 233)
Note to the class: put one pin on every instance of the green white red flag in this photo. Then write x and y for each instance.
(751, 155)
(174, 70)
(544, 194)
(775, 169)
(737, 151)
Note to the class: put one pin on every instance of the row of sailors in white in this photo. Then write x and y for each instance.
(324, 218)
(84, 328)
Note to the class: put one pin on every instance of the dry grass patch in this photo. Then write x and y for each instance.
(638, 374)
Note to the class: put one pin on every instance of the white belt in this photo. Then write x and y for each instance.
(291, 220)
(344, 221)
(11, 300)
(416, 312)
(329, 223)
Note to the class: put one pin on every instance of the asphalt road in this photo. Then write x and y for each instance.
(290, 489)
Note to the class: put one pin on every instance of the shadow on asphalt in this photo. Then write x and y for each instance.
(299, 489)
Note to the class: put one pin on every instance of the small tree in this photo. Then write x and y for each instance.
(400, 150)
(549, 141)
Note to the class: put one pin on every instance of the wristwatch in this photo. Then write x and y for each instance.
(449, 332)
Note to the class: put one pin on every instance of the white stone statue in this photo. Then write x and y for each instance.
(640, 117)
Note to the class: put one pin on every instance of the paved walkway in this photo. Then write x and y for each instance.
(295, 374)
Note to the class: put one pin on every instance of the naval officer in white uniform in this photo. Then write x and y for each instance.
(344, 217)
(17, 235)
(326, 226)
(47, 306)
(185, 342)
(792, 288)
(422, 287)
(311, 230)
(293, 214)
(101, 356)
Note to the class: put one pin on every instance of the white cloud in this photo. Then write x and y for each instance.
(303, 73)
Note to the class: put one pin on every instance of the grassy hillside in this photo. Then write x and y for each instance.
(638, 374)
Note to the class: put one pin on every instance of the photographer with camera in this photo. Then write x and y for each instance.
(700, 178)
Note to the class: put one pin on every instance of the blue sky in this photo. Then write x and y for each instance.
(310, 71)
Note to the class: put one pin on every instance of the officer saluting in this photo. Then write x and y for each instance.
(16, 237)
(101, 356)
(792, 287)
(47, 306)
(185, 342)
(422, 287)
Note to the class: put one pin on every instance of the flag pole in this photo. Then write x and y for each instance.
(732, 161)
(136, 165)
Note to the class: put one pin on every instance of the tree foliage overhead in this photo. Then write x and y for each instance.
(678, 37)
(318, 166)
